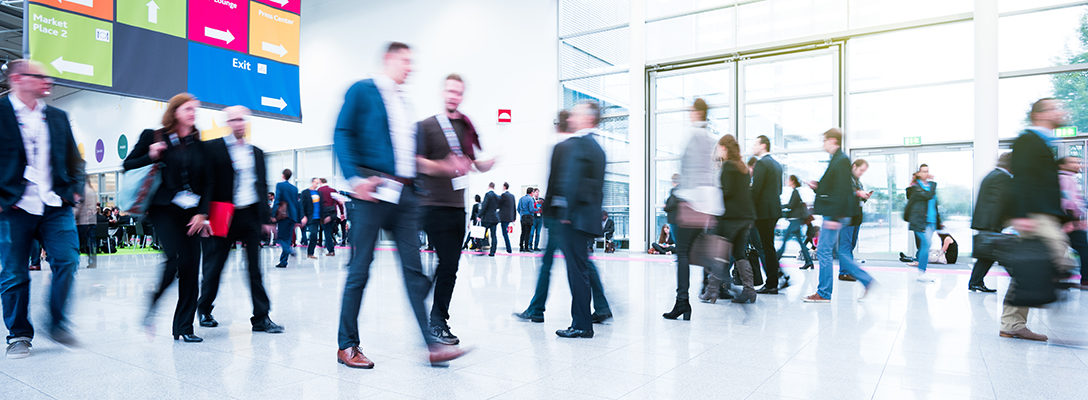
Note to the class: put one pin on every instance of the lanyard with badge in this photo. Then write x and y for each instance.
(460, 182)
(185, 198)
(32, 135)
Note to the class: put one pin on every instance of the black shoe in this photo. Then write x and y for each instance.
(807, 266)
(746, 296)
(189, 338)
(981, 288)
(491, 255)
(207, 321)
(267, 326)
(847, 278)
(63, 336)
(281, 265)
(530, 317)
(904, 258)
(767, 290)
(443, 335)
(600, 318)
(783, 282)
(682, 307)
(575, 333)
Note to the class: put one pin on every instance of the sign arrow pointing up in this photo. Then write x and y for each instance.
(65, 66)
(276, 49)
(152, 12)
(225, 36)
(85, 3)
(270, 102)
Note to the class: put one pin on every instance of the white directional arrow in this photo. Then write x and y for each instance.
(276, 49)
(225, 36)
(152, 12)
(280, 2)
(270, 102)
(63, 66)
(85, 3)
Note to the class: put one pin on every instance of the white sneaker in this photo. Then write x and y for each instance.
(923, 277)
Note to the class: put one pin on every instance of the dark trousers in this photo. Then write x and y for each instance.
(367, 220)
(538, 230)
(36, 252)
(87, 240)
(765, 227)
(543, 281)
(182, 254)
(506, 236)
(330, 234)
(493, 229)
(245, 228)
(1078, 240)
(575, 248)
(685, 238)
(285, 231)
(57, 229)
(444, 226)
(314, 228)
(526, 233)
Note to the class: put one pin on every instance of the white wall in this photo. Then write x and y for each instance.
(505, 50)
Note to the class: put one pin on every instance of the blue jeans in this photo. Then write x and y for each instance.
(538, 228)
(284, 231)
(57, 228)
(923, 246)
(402, 220)
(540, 295)
(794, 232)
(840, 238)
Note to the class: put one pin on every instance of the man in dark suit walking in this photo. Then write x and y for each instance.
(991, 215)
(41, 179)
(578, 197)
(507, 214)
(767, 197)
(375, 142)
(1035, 202)
(242, 190)
(489, 216)
(288, 214)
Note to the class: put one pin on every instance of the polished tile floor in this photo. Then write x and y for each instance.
(910, 340)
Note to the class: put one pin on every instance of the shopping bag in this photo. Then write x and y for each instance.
(478, 232)
(1032, 270)
(137, 187)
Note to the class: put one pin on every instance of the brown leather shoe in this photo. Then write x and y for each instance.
(354, 358)
(440, 354)
(1024, 333)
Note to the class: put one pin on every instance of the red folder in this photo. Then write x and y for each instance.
(220, 214)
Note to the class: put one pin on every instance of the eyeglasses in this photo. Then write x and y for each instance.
(236, 120)
(39, 76)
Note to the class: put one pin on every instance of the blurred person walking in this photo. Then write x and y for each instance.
(857, 169)
(735, 224)
(923, 215)
(767, 198)
(525, 211)
(288, 214)
(797, 215)
(991, 216)
(1074, 206)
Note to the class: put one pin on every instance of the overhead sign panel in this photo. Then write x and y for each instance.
(248, 51)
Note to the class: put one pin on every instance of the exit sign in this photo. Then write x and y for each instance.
(912, 141)
(1067, 131)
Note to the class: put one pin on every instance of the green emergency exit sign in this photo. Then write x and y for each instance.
(912, 141)
(1066, 131)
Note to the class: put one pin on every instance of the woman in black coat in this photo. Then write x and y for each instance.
(179, 208)
(923, 216)
(735, 223)
(797, 214)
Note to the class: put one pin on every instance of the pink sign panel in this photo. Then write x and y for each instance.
(220, 23)
(294, 6)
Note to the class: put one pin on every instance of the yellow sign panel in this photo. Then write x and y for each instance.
(273, 34)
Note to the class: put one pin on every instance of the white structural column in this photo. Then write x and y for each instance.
(636, 127)
(986, 88)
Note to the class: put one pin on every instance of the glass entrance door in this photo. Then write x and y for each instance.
(884, 233)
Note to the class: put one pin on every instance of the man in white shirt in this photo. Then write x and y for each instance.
(36, 200)
(237, 214)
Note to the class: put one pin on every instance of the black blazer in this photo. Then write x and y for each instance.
(736, 194)
(222, 182)
(991, 207)
(767, 188)
(307, 203)
(917, 210)
(489, 209)
(1035, 185)
(68, 166)
(507, 208)
(178, 161)
(835, 192)
(576, 184)
(797, 208)
(609, 229)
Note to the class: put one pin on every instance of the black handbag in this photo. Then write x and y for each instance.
(985, 244)
(1033, 272)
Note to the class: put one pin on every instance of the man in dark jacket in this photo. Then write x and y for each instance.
(1035, 201)
(835, 200)
(489, 216)
(41, 179)
(243, 189)
(767, 197)
(507, 214)
(991, 215)
(287, 199)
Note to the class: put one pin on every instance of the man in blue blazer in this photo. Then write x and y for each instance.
(375, 142)
(287, 201)
(41, 179)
